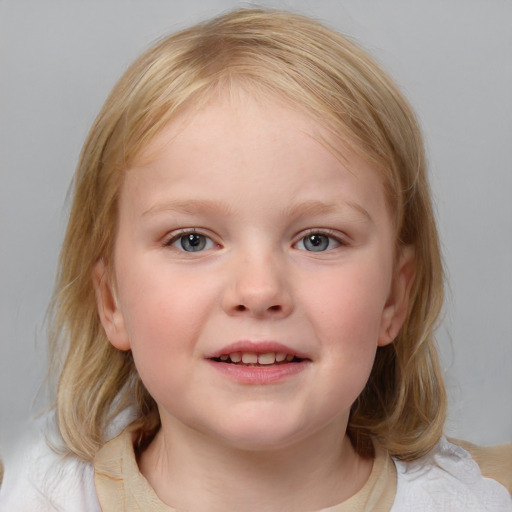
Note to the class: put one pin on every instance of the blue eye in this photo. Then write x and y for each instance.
(192, 242)
(317, 242)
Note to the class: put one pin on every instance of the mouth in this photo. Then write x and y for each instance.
(258, 359)
(263, 362)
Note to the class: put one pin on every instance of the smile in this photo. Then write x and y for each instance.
(254, 359)
(258, 363)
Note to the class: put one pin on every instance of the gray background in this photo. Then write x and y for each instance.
(453, 59)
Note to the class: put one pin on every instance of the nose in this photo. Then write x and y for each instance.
(259, 288)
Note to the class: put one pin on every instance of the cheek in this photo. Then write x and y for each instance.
(157, 304)
(152, 313)
(345, 312)
(157, 343)
(164, 313)
(347, 307)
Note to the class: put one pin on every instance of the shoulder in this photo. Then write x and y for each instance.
(37, 477)
(494, 461)
(448, 479)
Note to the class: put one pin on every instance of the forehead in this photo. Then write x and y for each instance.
(239, 145)
(248, 102)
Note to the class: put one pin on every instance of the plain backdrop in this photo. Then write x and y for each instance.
(452, 58)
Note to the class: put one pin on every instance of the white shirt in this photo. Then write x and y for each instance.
(446, 480)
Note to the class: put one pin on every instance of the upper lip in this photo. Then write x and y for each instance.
(256, 347)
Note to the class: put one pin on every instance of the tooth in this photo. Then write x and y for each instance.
(289, 357)
(249, 358)
(235, 357)
(280, 356)
(269, 358)
(224, 357)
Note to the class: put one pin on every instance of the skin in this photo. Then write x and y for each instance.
(254, 179)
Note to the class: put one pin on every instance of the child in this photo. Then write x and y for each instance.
(248, 290)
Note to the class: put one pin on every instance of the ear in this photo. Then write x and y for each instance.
(395, 310)
(110, 314)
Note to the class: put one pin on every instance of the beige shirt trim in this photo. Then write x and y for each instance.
(121, 487)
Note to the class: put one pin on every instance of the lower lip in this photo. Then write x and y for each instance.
(259, 374)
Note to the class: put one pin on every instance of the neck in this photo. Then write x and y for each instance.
(187, 470)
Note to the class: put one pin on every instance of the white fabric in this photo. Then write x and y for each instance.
(447, 480)
(39, 479)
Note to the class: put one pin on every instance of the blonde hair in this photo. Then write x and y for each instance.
(328, 76)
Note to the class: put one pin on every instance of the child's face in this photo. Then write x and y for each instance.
(239, 233)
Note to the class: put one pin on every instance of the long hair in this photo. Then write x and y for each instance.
(331, 79)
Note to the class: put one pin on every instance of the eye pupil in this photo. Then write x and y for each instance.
(193, 242)
(316, 242)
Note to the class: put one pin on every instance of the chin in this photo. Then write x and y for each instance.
(260, 434)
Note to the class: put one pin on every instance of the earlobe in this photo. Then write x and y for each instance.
(110, 314)
(396, 308)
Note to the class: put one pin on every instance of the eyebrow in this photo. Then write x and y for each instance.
(320, 208)
(190, 207)
(209, 207)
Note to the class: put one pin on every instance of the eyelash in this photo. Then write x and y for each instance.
(175, 237)
(328, 234)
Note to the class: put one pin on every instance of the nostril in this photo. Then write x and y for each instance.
(241, 308)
